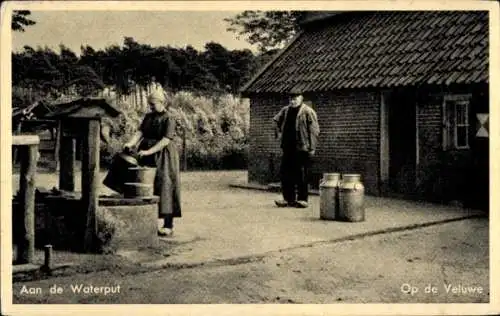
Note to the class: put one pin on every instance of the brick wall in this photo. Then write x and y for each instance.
(349, 139)
(264, 153)
(429, 118)
(348, 143)
(444, 175)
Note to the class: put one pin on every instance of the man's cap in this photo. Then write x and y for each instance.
(295, 92)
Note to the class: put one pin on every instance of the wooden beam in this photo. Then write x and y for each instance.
(90, 181)
(39, 122)
(15, 150)
(417, 144)
(67, 154)
(384, 143)
(58, 145)
(20, 140)
(26, 245)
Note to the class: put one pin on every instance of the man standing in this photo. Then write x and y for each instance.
(298, 129)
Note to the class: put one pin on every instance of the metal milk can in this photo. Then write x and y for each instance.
(351, 198)
(328, 192)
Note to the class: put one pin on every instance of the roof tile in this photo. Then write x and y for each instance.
(376, 49)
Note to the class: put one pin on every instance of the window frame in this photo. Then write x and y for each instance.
(452, 143)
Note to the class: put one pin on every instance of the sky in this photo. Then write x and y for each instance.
(100, 29)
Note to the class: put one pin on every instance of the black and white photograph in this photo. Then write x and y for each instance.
(280, 155)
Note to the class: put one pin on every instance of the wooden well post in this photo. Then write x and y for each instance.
(28, 151)
(90, 179)
(81, 119)
(67, 152)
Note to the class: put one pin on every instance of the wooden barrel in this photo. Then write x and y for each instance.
(144, 175)
(134, 190)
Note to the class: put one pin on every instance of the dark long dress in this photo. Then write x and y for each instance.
(154, 127)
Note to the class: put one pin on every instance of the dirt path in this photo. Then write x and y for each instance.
(369, 270)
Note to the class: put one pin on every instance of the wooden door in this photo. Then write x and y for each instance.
(402, 143)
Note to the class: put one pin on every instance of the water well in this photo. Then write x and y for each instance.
(86, 220)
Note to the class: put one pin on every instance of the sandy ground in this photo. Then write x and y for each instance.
(377, 269)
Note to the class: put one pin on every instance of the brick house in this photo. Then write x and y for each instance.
(397, 95)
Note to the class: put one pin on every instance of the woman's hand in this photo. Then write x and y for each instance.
(157, 147)
(143, 153)
(133, 142)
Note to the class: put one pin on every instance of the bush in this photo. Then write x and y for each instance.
(215, 153)
(121, 130)
(215, 128)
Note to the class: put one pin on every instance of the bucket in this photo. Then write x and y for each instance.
(142, 174)
(328, 192)
(351, 198)
(118, 172)
(134, 190)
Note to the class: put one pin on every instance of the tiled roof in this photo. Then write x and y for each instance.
(382, 49)
(67, 108)
(313, 16)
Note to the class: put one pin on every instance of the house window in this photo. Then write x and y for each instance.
(456, 122)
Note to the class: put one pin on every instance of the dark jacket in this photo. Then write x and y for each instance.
(307, 127)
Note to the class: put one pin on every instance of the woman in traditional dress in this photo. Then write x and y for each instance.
(157, 149)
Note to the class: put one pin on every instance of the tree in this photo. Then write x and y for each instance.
(117, 71)
(51, 73)
(66, 65)
(20, 20)
(86, 82)
(132, 68)
(218, 61)
(244, 65)
(268, 29)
